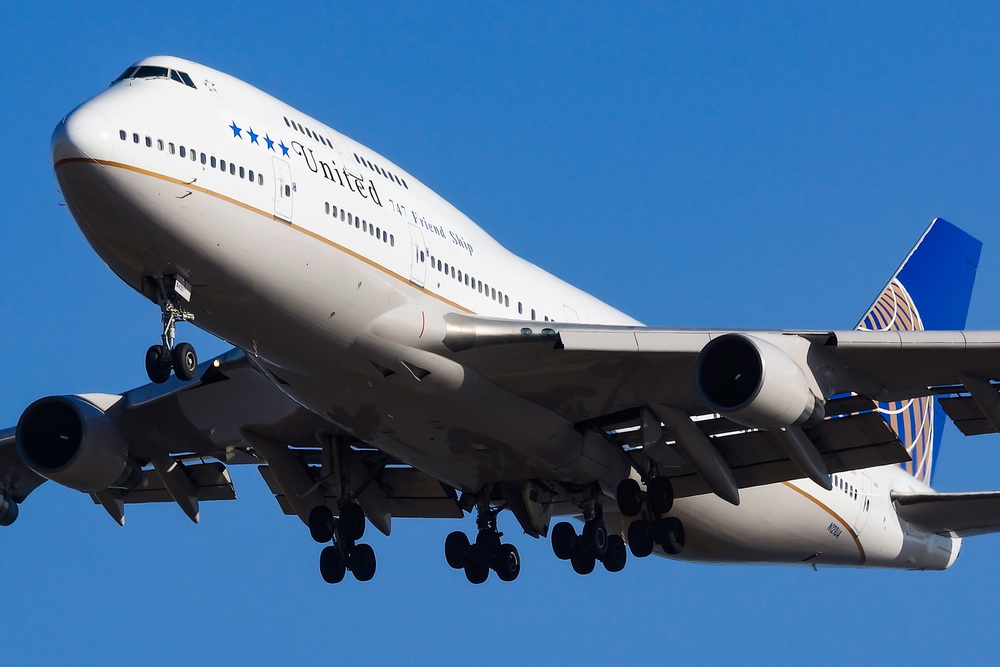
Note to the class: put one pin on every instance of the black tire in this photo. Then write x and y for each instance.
(563, 538)
(594, 538)
(669, 534)
(507, 563)
(362, 561)
(321, 523)
(487, 546)
(629, 497)
(659, 495)
(455, 547)
(640, 542)
(614, 560)
(583, 563)
(185, 361)
(475, 571)
(352, 522)
(331, 565)
(158, 364)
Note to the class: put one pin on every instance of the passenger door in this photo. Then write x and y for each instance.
(283, 190)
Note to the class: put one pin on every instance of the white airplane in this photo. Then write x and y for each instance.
(392, 360)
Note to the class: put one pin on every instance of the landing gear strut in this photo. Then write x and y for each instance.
(486, 553)
(344, 554)
(181, 358)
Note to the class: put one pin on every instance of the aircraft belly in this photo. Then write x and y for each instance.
(773, 524)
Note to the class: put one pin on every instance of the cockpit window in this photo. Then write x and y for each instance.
(155, 72)
(150, 72)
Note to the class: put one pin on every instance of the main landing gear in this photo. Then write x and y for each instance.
(181, 358)
(651, 527)
(486, 553)
(593, 544)
(345, 554)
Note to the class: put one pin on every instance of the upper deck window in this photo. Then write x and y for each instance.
(155, 72)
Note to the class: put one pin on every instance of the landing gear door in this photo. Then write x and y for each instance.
(283, 190)
(418, 256)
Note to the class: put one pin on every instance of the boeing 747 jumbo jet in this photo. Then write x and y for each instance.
(392, 360)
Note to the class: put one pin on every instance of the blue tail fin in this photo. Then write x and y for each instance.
(930, 290)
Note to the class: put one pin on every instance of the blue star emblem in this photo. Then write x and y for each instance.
(236, 130)
(284, 148)
(270, 142)
(253, 137)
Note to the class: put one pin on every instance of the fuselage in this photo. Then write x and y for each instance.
(333, 267)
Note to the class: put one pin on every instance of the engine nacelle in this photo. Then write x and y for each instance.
(755, 383)
(72, 442)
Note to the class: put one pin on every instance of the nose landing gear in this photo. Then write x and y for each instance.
(181, 358)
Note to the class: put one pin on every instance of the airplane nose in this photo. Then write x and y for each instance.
(83, 133)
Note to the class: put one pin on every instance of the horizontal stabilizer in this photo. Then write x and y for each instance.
(957, 514)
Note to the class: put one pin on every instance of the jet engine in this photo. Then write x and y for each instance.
(70, 441)
(755, 383)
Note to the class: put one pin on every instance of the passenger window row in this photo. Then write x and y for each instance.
(193, 155)
(470, 281)
(358, 223)
(383, 172)
(309, 133)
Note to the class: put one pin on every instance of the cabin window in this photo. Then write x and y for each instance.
(250, 175)
(182, 151)
(170, 148)
(135, 138)
(214, 164)
(122, 134)
(204, 158)
(149, 142)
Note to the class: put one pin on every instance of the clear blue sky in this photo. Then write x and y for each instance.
(695, 164)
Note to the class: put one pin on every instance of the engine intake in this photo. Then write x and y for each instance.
(70, 441)
(755, 383)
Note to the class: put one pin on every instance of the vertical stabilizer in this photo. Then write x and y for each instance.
(930, 290)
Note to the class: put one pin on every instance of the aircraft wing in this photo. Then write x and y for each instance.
(958, 514)
(184, 435)
(605, 377)
(587, 372)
